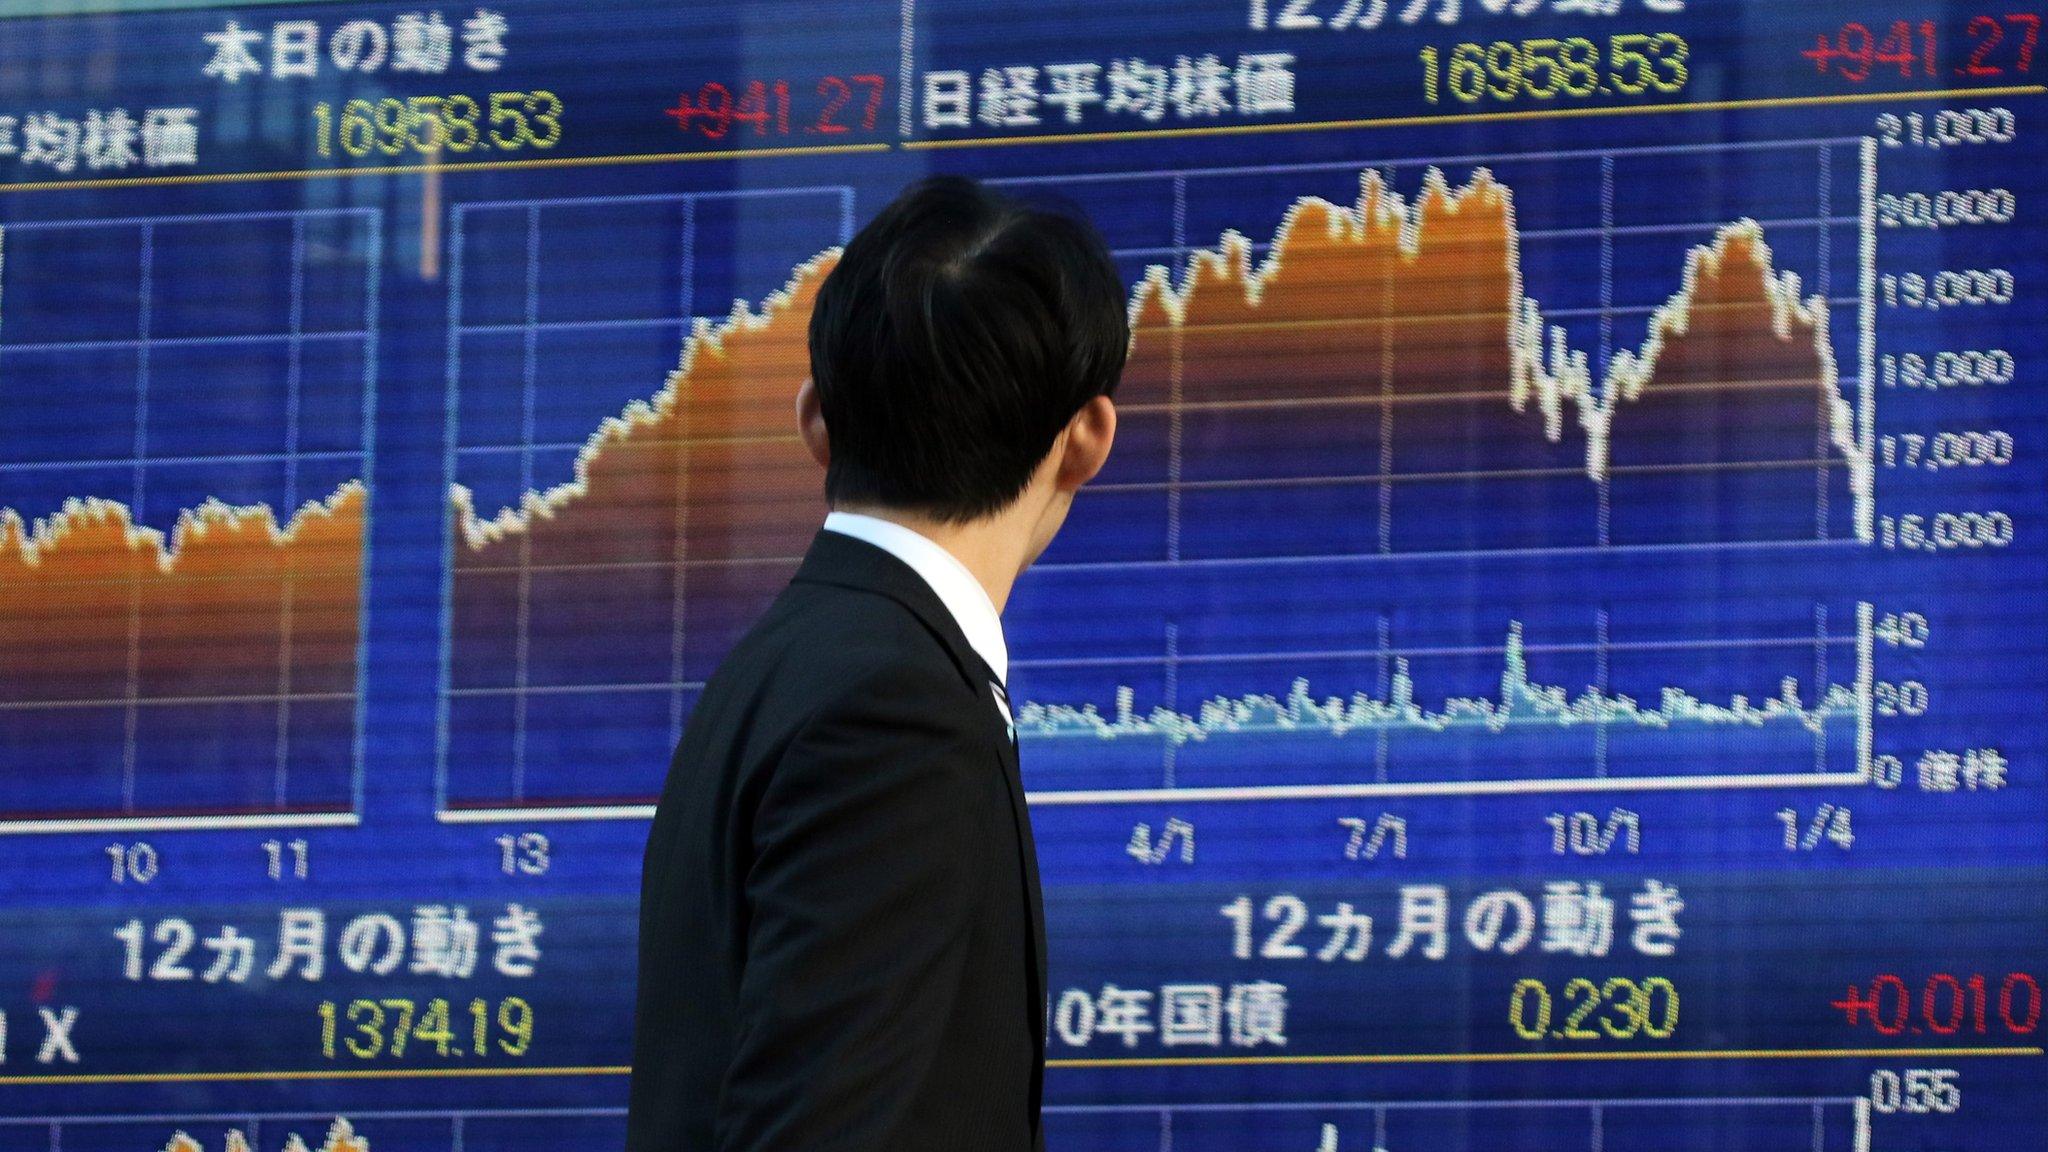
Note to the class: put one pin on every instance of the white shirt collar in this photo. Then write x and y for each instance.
(956, 587)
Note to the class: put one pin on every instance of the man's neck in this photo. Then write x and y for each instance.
(992, 549)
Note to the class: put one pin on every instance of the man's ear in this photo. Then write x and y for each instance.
(810, 424)
(1087, 441)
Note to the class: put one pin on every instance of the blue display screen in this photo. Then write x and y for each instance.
(1554, 662)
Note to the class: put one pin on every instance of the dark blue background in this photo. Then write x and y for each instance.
(1933, 883)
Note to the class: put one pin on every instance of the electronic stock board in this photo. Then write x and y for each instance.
(1556, 661)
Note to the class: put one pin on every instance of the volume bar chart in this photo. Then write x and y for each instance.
(180, 645)
(1590, 706)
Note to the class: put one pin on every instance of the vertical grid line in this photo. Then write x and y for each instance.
(1386, 461)
(1177, 373)
(1602, 674)
(906, 43)
(1866, 339)
(373, 295)
(533, 327)
(138, 490)
(1603, 484)
(678, 606)
(451, 420)
(1382, 743)
(294, 383)
(1169, 750)
(1866, 688)
(1824, 420)
(528, 402)
(1820, 684)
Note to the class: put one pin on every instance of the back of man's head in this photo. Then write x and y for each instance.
(958, 335)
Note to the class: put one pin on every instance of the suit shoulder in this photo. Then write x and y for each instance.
(825, 650)
(845, 636)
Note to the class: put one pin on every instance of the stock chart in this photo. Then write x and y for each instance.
(1555, 661)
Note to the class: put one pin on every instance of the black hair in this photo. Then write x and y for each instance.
(960, 331)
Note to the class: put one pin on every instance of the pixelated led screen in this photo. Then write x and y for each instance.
(1555, 662)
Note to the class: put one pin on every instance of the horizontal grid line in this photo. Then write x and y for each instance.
(87, 1119)
(225, 339)
(1474, 726)
(1055, 798)
(623, 324)
(283, 818)
(189, 218)
(173, 701)
(1761, 642)
(1488, 315)
(1454, 1105)
(1257, 246)
(1520, 786)
(650, 197)
(620, 1070)
(185, 578)
(637, 442)
(1641, 309)
(153, 461)
(1210, 562)
(1153, 1108)
(1373, 401)
(462, 570)
(1369, 478)
(1425, 161)
(1447, 554)
(1637, 1056)
(574, 689)
(304, 175)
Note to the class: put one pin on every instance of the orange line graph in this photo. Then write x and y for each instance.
(228, 605)
(1382, 301)
(1394, 336)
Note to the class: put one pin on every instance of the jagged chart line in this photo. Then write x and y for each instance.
(341, 1137)
(1544, 366)
(1545, 371)
(706, 338)
(1522, 703)
(107, 619)
(724, 385)
(36, 545)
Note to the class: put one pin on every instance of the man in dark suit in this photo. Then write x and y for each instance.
(841, 940)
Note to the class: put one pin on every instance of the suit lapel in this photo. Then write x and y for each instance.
(841, 560)
(1035, 901)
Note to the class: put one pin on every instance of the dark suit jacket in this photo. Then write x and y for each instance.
(841, 940)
